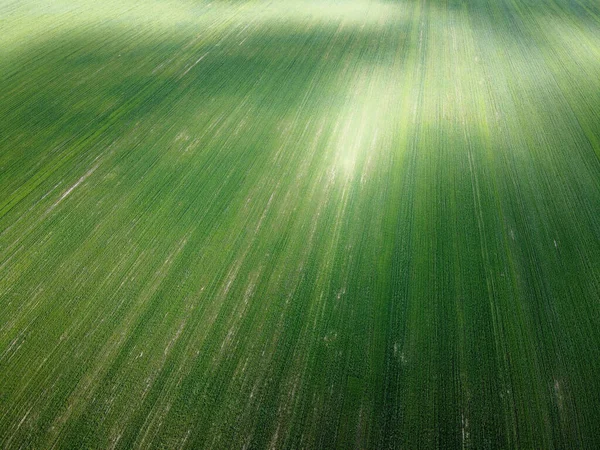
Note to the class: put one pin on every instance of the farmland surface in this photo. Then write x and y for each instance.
(300, 224)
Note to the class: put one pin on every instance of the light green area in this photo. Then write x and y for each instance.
(300, 224)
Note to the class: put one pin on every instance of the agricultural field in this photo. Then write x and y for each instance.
(300, 224)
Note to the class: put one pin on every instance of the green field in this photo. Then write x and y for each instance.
(300, 224)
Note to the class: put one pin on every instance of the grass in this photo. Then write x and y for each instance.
(359, 223)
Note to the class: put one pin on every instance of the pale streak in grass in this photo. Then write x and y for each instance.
(74, 186)
(464, 430)
(47, 212)
(193, 65)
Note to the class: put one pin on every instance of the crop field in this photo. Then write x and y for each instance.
(300, 224)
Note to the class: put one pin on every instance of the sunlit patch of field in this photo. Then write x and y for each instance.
(299, 224)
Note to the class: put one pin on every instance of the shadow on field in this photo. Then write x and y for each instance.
(71, 92)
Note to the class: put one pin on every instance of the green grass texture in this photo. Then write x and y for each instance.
(293, 224)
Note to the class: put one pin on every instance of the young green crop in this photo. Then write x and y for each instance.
(299, 224)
